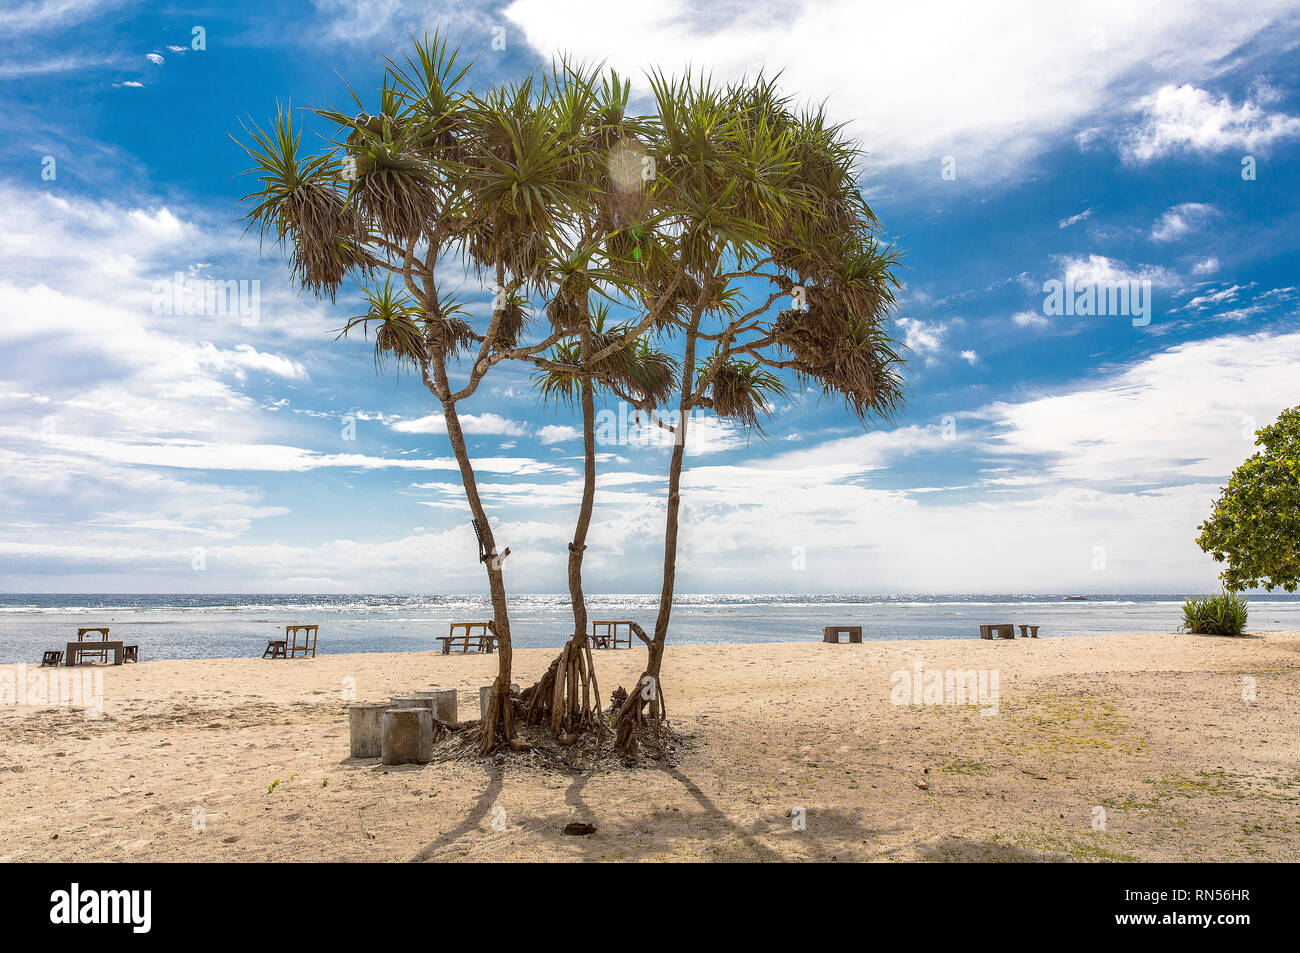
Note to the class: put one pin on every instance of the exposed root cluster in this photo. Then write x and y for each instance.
(567, 696)
(589, 748)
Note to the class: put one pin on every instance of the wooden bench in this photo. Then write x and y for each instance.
(309, 634)
(831, 633)
(76, 651)
(1029, 631)
(608, 638)
(483, 640)
(1003, 630)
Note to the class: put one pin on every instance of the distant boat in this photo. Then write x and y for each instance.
(1076, 598)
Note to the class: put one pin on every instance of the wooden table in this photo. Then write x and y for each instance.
(309, 634)
(609, 638)
(831, 633)
(485, 641)
(75, 649)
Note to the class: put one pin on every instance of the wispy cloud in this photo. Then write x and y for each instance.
(1182, 220)
(1074, 219)
(476, 424)
(54, 14)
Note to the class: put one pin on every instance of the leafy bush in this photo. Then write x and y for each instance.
(1255, 526)
(1224, 614)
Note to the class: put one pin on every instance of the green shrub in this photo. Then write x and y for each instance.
(1224, 614)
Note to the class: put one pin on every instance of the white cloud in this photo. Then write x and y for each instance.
(1074, 219)
(57, 64)
(1030, 319)
(246, 358)
(707, 434)
(154, 58)
(52, 14)
(185, 454)
(1098, 269)
(557, 433)
(1175, 417)
(1182, 219)
(925, 340)
(970, 357)
(1212, 298)
(487, 424)
(1129, 463)
(372, 21)
(991, 84)
(1185, 118)
(1206, 266)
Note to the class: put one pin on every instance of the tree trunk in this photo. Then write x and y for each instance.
(649, 690)
(500, 715)
(568, 691)
(579, 544)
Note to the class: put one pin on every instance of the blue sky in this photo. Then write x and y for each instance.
(1011, 144)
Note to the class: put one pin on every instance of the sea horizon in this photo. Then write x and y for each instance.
(234, 625)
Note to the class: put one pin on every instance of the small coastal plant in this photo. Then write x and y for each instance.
(1224, 614)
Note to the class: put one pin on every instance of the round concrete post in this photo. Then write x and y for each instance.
(411, 701)
(365, 729)
(408, 736)
(444, 702)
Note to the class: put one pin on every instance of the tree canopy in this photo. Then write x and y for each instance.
(1255, 527)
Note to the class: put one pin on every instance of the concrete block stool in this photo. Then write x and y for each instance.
(444, 702)
(366, 729)
(407, 736)
(411, 701)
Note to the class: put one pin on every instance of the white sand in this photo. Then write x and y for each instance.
(1151, 729)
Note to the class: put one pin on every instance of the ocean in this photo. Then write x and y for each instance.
(233, 626)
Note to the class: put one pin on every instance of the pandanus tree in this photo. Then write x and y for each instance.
(440, 178)
(776, 267)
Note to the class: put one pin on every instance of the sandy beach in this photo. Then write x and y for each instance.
(1123, 747)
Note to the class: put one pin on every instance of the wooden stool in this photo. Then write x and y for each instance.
(277, 648)
(131, 653)
(831, 633)
(53, 657)
(1029, 631)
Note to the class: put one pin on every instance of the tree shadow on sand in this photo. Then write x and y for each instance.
(480, 810)
(829, 833)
